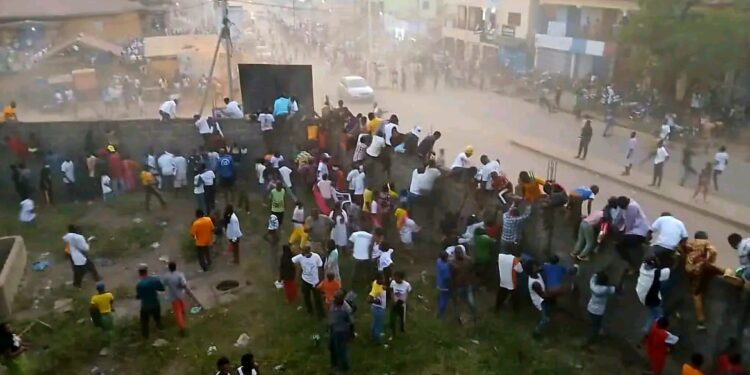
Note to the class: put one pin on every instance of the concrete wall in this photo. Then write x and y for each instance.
(13, 252)
(134, 137)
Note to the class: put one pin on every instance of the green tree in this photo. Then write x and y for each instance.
(701, 40)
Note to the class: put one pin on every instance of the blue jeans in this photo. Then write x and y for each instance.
(200, 201)
(444, 296)
(654, 312)
(467, 295)
(378, 323)
(339, 354)
(544, 318)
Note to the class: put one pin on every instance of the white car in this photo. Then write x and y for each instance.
(355, 88)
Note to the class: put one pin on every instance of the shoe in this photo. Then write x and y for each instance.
(583, 258)
(573, 254)
(700, 326)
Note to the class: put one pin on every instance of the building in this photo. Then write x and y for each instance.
(55, 20)
(576, 38)
(490, 29)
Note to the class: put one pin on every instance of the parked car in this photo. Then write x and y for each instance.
(355, 88)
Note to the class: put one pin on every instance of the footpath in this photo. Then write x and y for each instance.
(717, 208)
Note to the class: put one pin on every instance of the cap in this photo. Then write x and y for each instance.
(469, 149)
(100, 286)
(110, 148)
(326, 155)
(143, 267)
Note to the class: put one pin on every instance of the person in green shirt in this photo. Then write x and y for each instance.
(484, 253)
(147, 292)
(277, 196)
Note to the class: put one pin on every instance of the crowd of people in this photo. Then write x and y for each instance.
(362, 213)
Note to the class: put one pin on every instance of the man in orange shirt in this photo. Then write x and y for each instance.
(694, 367)
(202, 231)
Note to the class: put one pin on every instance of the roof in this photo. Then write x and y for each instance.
(352, 78)
(173, 45)
(88, 41)
(13, 10)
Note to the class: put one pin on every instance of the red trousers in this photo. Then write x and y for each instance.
(178, 307)
(290, 291)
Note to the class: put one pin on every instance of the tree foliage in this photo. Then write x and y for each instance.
(701, 39)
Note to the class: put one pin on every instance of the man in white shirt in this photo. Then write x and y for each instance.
(166, 170)
(209, 187)
(323, 166)
(326, 190)
(350, 178)
(168, 110)
(201, 123)
(376, 146)
(69, 177)
(488, 166)
(509, 266)
(388, 130)
(666, 128)
(286, 177)
(359, 186)
(180, 175)
(232, 109)
(721, 160)
(662, 155)
(266, 120)
(630, 153)
(361, 249)
(670, 233)
(78, 247)
(27, 214)
(310, 265)
(462, 164)
(401, 289)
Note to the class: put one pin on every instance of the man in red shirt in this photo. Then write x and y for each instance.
(116, 170)
(658, 342)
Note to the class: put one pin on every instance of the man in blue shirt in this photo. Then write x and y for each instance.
(225, 170)
(443, 283)
(281, 106)
(586, 194)
(147, 292)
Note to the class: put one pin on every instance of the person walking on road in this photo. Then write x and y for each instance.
(721, 160)
(630, 153)
(687, 163)
(704, 181)
(661, 157)
(587, 132)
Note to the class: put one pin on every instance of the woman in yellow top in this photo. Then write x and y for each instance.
(9, 112)
(530, 187)
(101, 310)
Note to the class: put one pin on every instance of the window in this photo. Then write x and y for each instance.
(426, 5)
(514, 19)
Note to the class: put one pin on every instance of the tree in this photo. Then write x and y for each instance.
(675, 38)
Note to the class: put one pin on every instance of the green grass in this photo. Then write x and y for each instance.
(281, 334)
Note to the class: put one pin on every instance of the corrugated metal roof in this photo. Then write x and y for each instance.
(13, 10)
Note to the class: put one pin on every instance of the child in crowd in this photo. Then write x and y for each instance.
(329, 287)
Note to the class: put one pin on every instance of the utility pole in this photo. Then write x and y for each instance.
(225, 36)
(228, 46)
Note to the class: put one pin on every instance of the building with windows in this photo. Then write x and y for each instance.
(576, 38)
(490, 29)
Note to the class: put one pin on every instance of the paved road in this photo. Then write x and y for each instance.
(488, 121)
